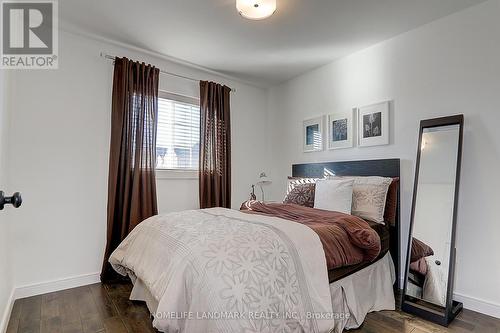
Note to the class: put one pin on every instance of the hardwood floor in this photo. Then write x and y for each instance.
(106, 308)
(89, 309)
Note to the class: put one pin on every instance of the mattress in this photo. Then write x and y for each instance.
(341, 272)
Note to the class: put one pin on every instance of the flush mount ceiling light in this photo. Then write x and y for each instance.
(256, 9)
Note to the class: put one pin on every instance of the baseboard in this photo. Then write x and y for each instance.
(475, 304)
(478, 305)
(56, 285)
(43, 288)
(4, 322)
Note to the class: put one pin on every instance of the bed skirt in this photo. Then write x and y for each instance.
(368, 290)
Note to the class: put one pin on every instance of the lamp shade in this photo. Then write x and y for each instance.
(256, 9)
(263, 179)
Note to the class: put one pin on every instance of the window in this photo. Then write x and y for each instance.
(178, 133)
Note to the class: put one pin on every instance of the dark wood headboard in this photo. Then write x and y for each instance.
(383, 168)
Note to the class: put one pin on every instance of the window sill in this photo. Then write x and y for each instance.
(176, 174)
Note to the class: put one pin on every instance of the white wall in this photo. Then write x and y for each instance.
(447, 67)
(59, 159)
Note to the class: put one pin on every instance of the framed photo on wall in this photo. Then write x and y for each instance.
(313, 134)
(373, 125)
(340, 130)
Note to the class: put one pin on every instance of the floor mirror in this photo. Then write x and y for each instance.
(430, 267)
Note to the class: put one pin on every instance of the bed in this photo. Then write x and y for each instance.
(220, 270)
(360, 289)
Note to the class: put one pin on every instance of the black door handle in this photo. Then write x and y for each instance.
(15, 200)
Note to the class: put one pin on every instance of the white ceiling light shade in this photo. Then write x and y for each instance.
(256, 9)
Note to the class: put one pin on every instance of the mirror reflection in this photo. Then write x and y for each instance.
(433, 220)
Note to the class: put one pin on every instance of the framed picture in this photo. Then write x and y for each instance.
(340, 130)
(313, 134)
(373, 125)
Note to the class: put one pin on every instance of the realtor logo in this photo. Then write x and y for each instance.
(29, 35)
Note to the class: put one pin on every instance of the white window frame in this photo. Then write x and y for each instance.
(191, 174)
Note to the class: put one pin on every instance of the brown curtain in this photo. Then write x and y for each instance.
(215, 146)
(131, 184)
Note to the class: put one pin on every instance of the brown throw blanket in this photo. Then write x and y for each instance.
(347, 240)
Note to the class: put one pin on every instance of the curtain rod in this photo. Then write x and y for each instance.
(111, 57)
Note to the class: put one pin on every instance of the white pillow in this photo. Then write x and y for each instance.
(334, 195)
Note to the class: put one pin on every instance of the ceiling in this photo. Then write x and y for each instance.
(300, 36)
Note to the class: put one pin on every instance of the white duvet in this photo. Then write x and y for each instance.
(220, 270)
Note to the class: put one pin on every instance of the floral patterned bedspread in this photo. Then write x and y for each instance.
(220, 270)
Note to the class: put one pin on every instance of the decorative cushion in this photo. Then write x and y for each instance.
(295, 181)
(369, 197)
(334, 195)
(301, 194)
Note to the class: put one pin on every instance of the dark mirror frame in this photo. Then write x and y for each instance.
(439, 315)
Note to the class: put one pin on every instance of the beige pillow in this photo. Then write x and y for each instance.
(368, 197)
